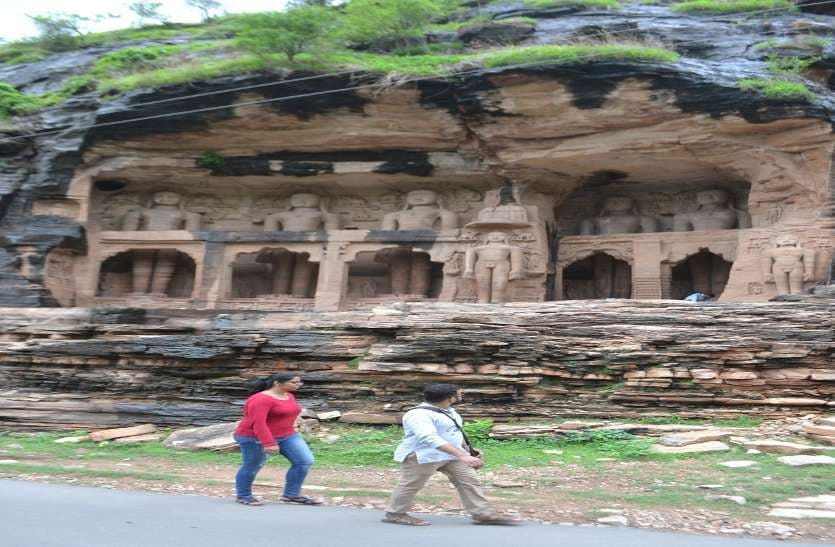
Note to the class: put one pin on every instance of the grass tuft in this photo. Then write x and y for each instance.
(724, 7)
(578, 53)
(778, 90)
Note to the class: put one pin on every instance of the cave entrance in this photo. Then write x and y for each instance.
(598, 276)
(395, 271)
(274, 272)
(703, 272)
(154, 272)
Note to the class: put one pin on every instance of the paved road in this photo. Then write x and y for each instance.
(50, 515)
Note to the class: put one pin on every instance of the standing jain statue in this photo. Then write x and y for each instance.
(306, 213)
(422, 211)
(788, 265)
(492, 265)
(618, 215)
(153, 269)
(714, 212)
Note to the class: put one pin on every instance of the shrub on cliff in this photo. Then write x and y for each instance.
(578, 54)
(290, 32)
(778, 90)
(732, 6)
(391, 21)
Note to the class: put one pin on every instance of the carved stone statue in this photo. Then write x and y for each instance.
(493, 265)
(153, 269)
(163, 214)
(421, 212)
(503, 210)
(618, 215)
(714, 213)
(305, 214)
(409, 272)
(788, 265)
(293, 273)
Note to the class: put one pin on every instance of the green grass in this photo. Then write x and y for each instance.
(27, 468)
(723, 7)
(790, 65)
(739, 421)
(570, 54)
(778, 90)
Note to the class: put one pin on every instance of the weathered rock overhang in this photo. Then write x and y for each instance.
(551, 127)
(94, 368)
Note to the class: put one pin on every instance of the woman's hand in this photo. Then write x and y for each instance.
(271, 449)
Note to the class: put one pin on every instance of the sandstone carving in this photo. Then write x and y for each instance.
(503, 210)
(492, 265)
(421, 212)
(618, 215)
(153, 269)
(292, 273)
(306, 213)
(788, 265)
(714, 212)
(164, 213)
(409, 272)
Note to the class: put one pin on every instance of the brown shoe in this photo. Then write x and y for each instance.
(493, 519)
(405, 519)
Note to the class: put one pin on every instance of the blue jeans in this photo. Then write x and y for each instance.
(253, 459)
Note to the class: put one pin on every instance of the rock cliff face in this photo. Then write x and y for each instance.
(95, 368)
(564, 139)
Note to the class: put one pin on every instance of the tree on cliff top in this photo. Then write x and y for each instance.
(290, 32)
(148, 10)
(59, 31)
(206, 7)
(398, 21)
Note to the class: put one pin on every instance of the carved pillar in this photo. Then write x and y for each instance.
(209, 279)
(421, 273)
(302, 273)
(646, 270)
(333, 278)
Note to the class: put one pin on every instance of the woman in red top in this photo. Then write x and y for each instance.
(268, 427)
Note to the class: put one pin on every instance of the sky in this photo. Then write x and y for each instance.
(14, 24)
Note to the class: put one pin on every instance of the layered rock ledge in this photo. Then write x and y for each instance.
(96, 368)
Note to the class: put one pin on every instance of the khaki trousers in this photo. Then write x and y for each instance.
(414, 475)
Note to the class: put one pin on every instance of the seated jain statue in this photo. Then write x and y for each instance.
(618, 215)
(153, 269)
(788, 265)
(421, 212)
(493, 265)
(714, 212)
(306, 213)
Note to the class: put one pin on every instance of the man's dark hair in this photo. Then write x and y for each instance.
(435, 393)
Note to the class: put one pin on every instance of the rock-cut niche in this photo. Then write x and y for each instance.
(394, 271)
(703, 272)
(153, 272)
(274, 272)
(597, 276)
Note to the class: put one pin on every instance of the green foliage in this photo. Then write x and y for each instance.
(209, 160)
(544, 4)
(478, 431)
(790, 65)
(148, 10)
(615, 444)
(778, 90)
(132, 59)
(396, 21)
(578, 54)
(732, 6)
(13, 102)
(421, 65)
(291, 32)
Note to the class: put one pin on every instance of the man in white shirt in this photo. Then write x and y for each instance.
(433, 441)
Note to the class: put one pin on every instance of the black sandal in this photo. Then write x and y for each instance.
(301, 500)
(250, 500)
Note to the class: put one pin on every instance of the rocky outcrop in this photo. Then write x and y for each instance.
(97, 368)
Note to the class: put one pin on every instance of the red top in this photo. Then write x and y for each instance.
(266, 418)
